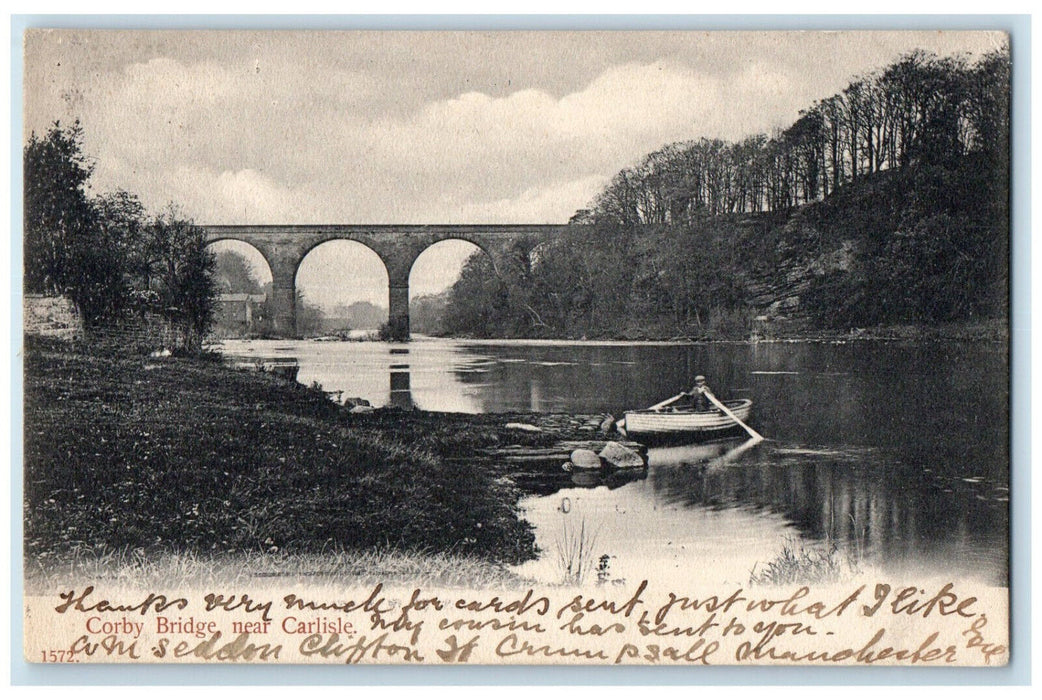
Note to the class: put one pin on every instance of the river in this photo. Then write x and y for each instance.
(894, 452)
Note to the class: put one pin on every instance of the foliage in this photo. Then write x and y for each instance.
(478, 303)
(103, 252)
(309, 317)
(574, 552)
(65, 249)
(182, 274)
(83, 565)
(426, 313)
(603, 280)
(234, 274)
(56, 208)
(886, 203)
(800, 564)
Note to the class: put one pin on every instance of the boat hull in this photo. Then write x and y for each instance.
(668, 425)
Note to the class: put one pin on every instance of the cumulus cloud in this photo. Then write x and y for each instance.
(268, 130)
(420, 128)
(239, 144)
(553, 202)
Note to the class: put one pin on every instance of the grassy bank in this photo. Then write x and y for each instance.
(83, 566)
(161, 455)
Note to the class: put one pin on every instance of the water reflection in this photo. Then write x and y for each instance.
(901, 449)
(401, 391)
(546, 482)
(863, 499)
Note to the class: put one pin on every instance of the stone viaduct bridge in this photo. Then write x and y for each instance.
(398, 246)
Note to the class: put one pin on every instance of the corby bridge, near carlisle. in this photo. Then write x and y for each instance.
(285, 246)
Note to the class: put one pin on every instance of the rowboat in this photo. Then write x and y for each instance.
(668, 423)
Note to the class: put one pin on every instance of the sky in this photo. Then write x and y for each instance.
(420, 127)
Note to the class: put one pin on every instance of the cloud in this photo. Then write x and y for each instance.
(425, 128)
(286, 135)
(552, 202)
(242, 144)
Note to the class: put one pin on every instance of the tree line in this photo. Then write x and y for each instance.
(885, 203)
(921, 109)
(115, 261)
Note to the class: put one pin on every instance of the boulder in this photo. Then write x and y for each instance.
(608, 425)
(527, 427)
(361, 409)
(620, 456)
(585, 459)
(355, 401)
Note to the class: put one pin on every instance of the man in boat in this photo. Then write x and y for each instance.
(696, 398)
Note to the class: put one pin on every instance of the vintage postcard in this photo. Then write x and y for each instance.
(431, 347)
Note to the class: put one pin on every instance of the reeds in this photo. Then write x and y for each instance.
(574, 550)
(800, 564)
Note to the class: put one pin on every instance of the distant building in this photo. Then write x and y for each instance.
(239, 315)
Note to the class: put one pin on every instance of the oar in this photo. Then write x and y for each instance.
(755, 435)
(735, 453)
(664, 403)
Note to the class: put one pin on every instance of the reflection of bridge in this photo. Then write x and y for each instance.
(398, 246)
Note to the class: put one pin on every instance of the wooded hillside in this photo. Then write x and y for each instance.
(885, 203)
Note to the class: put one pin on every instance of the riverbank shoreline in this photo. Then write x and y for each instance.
(132, 458)
(986, 331)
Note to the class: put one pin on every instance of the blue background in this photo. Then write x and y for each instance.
(1017, 673)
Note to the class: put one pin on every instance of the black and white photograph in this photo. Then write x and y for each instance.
(684, 348)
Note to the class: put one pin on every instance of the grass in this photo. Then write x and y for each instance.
(799, 564)
(182, 457)
(84, 566)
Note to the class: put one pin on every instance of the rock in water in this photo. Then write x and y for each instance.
(527, 427)
(585, 459)
(608, 425)
(620, 456)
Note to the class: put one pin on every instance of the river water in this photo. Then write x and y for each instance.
(897, 453)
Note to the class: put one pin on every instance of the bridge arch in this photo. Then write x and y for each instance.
(432, 273)
(253, 258)
(285, 246)
(243, 247)
(243, 278)
(337, 272)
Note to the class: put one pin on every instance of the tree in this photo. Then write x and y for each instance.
(66, 250)
(121, 222)
(182, 270)
(234, 274)
(309, 317)
(887, 202)
(56, 206)
(478, 301)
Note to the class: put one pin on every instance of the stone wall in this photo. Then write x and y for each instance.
(54, 317)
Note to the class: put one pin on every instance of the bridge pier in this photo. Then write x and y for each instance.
(398, 310)
(284, 296)
(284, 306)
